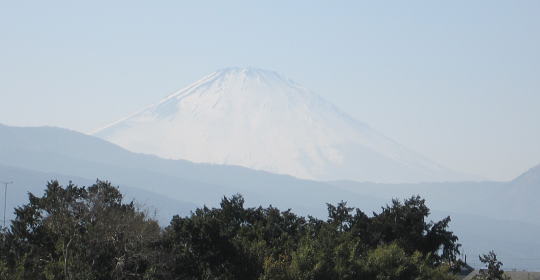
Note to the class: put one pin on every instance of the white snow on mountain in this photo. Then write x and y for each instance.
(259, 119)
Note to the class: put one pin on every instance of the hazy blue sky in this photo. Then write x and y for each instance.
(458, 81)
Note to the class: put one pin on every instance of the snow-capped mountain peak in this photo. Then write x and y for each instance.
(259, 119)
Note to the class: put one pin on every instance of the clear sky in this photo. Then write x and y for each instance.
(457, 81)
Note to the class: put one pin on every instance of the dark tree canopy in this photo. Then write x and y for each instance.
(78, 233)
(90, 233)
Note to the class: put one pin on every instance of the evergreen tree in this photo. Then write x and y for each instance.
(78, 233)
(91, 233)
(493, 269)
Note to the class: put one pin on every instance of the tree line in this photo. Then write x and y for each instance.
(90, 232)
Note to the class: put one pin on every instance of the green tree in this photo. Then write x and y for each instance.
(493, 269)
(90, 233)
(405, 223)
(391, 262)
(79, 233)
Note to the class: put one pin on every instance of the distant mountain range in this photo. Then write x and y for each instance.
(486, 215)
(261, 120)
(530, 178)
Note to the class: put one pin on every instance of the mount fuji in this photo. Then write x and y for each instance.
(261, 120)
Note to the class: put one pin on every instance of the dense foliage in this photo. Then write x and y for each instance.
(90, 233)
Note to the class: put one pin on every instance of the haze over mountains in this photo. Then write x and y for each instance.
(254, 132)
(485, 215)
(261, 120)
